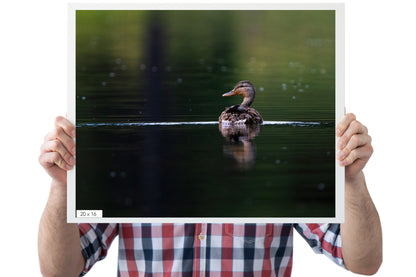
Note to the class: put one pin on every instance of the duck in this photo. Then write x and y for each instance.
(243, 113)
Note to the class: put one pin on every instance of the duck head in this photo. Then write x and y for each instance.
(245, 89)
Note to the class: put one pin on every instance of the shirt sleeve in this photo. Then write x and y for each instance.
(323, 239)
(95, 242)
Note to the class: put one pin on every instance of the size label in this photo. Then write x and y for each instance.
(89, 213)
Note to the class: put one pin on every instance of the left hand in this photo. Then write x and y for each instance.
(354, 145)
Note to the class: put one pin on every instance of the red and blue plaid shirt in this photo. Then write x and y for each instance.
(206, 249)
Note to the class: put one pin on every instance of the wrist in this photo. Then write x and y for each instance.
(58, 186)
(355, 180)
(57, 202)
(357, 196)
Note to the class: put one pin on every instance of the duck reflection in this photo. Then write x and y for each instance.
(239, 143)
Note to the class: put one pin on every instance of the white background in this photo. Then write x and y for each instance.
(380, 90)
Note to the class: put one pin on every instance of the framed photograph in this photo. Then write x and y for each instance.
(206, 113)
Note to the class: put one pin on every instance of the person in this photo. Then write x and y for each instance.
(226, 249)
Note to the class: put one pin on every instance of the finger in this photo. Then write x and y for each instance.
(355, 127)
(358, 154)
(56, 146)
(50, 159)
(67, 126)
(59, 134)
(344, 123)
(356, 141)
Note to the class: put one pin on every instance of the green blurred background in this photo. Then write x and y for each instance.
(174, 65)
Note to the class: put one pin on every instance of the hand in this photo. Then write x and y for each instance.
(58, 150)
(354, 146)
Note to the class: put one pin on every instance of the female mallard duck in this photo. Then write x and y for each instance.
(241, 114)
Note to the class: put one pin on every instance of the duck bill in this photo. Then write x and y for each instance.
(230, 93)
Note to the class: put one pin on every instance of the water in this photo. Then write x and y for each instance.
(148, 97)
(192, 170)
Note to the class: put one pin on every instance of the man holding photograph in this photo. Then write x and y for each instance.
(188, 249)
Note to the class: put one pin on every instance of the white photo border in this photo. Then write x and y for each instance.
(339, 9)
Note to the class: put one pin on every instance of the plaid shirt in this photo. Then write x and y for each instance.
(206, 249)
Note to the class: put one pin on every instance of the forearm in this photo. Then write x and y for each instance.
(59, 242)
(361, 233)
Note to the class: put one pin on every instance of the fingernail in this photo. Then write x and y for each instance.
(68, 166)
(71, 160)
(340, 155)
(338, 132)
(73, 150)
(345, 162)
(340, 145)
(73, 133)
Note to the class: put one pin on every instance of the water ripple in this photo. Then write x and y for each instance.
(129, 124)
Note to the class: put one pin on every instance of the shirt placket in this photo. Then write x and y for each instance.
(201, 241)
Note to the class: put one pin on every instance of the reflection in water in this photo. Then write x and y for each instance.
(285, 171)
(239, 144)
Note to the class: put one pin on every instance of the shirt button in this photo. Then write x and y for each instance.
(201, 237)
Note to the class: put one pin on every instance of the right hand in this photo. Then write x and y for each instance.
(58, 150)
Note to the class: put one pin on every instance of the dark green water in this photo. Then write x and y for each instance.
(173, 66)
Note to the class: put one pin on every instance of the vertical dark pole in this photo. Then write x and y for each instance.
(151, 173)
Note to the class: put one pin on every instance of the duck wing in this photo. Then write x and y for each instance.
(235, 114)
